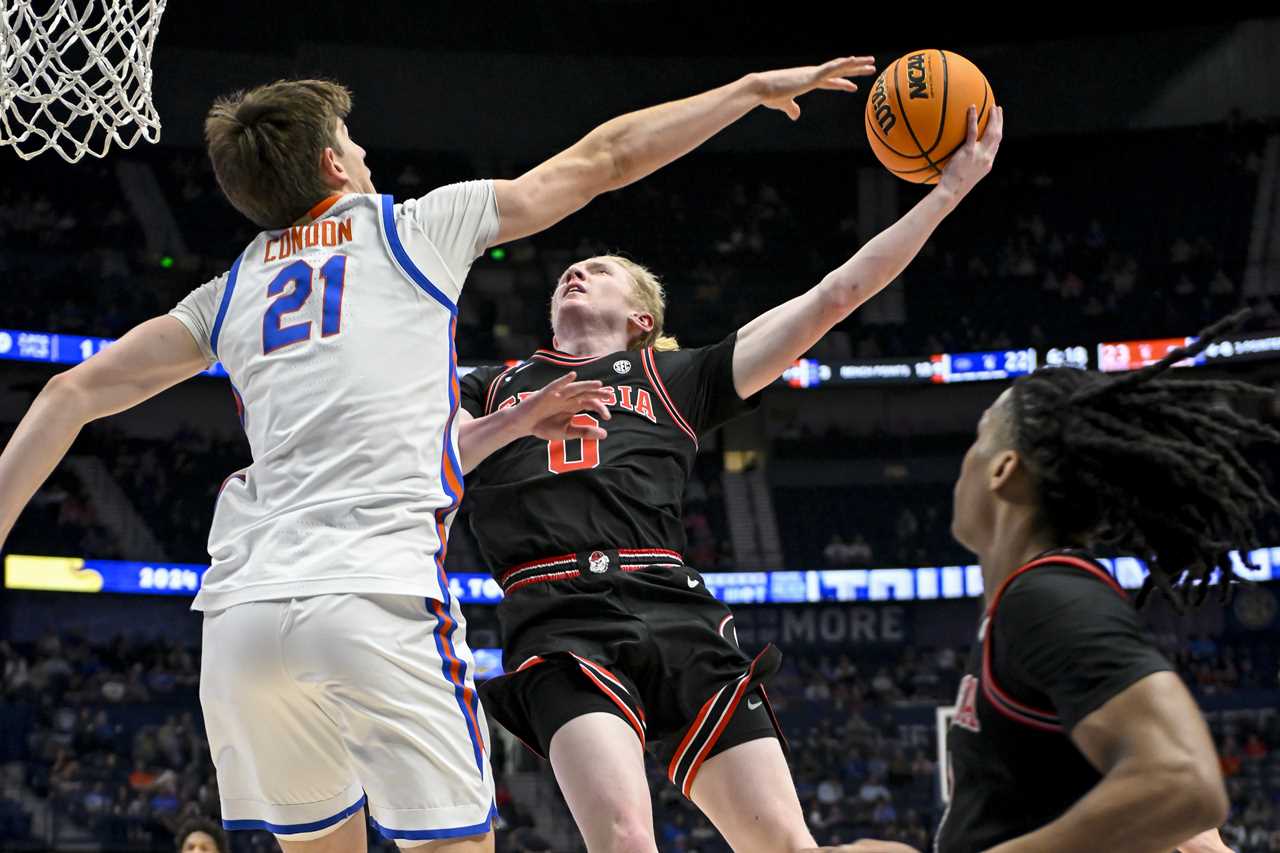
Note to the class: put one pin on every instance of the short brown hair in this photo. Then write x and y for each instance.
(266, 144)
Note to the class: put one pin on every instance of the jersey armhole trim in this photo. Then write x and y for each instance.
(655, 379)
(1036, 718)
(404, 262)
(222, 307)
(493, 390)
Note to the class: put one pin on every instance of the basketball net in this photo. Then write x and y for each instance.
(77, 79)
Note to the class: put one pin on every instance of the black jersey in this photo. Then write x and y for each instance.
(1057, 641)
(534, 498)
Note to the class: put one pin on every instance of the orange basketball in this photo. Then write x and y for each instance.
(916, 113)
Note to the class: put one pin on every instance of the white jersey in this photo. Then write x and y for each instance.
(338, 337)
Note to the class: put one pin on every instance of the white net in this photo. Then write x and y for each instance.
(75, 75)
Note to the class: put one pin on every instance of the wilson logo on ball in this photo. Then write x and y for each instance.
(880, 103)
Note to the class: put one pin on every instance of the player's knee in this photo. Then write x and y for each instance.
(631, 832)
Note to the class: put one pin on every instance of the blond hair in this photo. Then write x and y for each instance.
(650, 297)
(265, 145)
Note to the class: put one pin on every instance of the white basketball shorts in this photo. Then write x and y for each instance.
(315, 706)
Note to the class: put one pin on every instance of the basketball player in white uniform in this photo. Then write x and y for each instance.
(336, 675)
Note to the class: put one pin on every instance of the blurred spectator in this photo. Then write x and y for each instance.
(199, 835)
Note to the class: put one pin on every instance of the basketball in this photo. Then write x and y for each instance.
(916, 113)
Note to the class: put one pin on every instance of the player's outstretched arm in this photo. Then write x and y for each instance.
(631, 146)
(770, 343)
(548, 413)
(152, 357)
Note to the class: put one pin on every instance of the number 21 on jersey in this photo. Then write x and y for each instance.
(290, 291)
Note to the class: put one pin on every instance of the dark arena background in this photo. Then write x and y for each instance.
(1136, 198)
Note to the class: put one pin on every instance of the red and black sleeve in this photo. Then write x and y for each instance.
(1072, 637)
(698, 384)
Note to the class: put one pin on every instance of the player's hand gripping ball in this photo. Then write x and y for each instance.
(915, 115)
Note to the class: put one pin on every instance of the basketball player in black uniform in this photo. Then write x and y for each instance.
(611, 643)
(1071, 732)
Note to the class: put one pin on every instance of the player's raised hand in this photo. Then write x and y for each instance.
(779, 89)
(548, 413)
(973, 161)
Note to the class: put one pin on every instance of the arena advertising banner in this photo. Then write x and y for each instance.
(821, 629)
(936, 369)
(926, 583)
(824, 626)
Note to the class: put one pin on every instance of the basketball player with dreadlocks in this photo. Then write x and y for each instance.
(1071, 731)
(610, 641)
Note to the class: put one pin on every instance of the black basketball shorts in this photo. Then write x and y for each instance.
(646, 643)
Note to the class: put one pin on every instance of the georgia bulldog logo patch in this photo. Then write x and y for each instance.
(598, 562)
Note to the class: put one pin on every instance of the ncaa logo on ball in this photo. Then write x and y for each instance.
(598, 562)
(622, 366)
(916, 82)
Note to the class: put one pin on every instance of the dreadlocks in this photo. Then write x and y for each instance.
(1147, 464)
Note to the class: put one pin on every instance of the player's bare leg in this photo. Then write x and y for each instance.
(599, 764)
(747, 792)
(349, 837)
